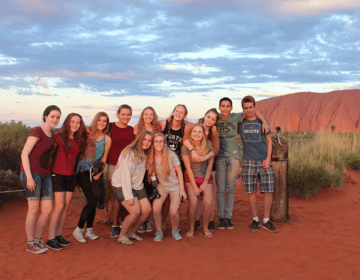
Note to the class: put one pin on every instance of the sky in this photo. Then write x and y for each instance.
(88, 56)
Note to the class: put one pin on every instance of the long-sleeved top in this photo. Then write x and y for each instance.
(129, 174)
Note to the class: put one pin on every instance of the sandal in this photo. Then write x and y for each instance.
(190, 234)
(207, 234)
(125, 241)
(136, 237)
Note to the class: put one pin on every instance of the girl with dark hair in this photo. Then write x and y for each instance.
(70, 146)
(198, 179)
(128, 187)
(36, 178)
(121, 135)
(166, 166)
(97, 149)
(211, 133)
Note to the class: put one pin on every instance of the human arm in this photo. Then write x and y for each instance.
(29, 145)
(187, 163)
(180, 176)
(162, 124)
(266, 162)
(122, 175)
(204, 184)
(215, 140)
(136, 130)
(265, 125)
(105, 155)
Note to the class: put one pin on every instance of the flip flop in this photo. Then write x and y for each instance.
(136, 237)
(190, 234)
(125, 241)
(207, 234)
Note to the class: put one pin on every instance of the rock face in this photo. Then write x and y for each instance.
(309, 111)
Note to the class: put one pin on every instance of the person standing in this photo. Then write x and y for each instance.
(256, 164)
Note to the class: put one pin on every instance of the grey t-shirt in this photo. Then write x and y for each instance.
(170, 183)
(198, 168)
(253, 139)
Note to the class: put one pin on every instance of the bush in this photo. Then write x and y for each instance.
(9, 181)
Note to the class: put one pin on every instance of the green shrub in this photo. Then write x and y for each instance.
(9, 181)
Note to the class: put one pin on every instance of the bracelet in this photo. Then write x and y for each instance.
(192, 150)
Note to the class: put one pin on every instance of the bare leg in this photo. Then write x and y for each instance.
(59, 202)
(193, 204)
(62, 219)
(165, 214)
(268, 198)
(30, 222)
(46, 208)
(115, 212)
(145, 210)
(157, 206)
(134, 214)
(252, 201)
(174, 211)
(208, 206)
(213, 193)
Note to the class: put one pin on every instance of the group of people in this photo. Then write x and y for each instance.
(173, 158)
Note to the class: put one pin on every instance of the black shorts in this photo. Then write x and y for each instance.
(63, 183)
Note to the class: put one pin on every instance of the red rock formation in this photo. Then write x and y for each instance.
(308, 111)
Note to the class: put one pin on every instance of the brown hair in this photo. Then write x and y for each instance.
(246, 99)
(79, 135)
(124, 106)
(203, 119)
(136, 147)
(151, 164)
(171, 119)
(155, 122)
(204, 145)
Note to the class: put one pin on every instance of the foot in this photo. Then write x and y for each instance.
(221, 224)
(135, 237)
(34, 248)
(141, 229)
(78, 234)
(125, 241)
(254, 225)
(90, 234)
(197, 224)
(211, 226)
(176, 235)
(229, 224)
(159, 235)
(190, 233)
(269, 226)
(207, 234)
(40, 243)
(53, 244)
(62, 241)
(115, 231)
(148, 227)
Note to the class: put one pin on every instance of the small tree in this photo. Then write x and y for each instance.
(332, 128)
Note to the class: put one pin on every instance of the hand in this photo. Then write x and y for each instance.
(130, 201)
(30, 184)
(266, 164)
(196, 191)
(265, 128)
(203, 186)
(97, 177)
(116, 166)
(195, 156)
(183, 195)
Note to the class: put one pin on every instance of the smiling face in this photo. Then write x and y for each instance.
(179, 113)
(225, 108)
(159, 143)
(148, 116)
(74, 124)
(53, 118)
(197, 133)
(210, 119)
(146, 142)
(102, 123)
(249, 110)
(124, 116)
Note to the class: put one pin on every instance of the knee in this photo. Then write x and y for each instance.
(33, 210)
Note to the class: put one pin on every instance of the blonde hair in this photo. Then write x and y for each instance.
(93, 134)
(136, 147)
(204, 145)
(155, 122)
(164, 165)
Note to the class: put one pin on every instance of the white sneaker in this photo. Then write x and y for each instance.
(78, 234)
(90, 234)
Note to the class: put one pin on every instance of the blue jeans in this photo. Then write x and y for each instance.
(227, 171)
(43, 189)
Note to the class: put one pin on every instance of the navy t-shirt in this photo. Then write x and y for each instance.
(253, 139)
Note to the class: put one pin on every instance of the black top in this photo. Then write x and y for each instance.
(174, 138)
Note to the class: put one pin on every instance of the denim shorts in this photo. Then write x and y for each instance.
(43, 188)
(251, 171)
(63, 183)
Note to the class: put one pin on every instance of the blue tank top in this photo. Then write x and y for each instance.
(100, 148)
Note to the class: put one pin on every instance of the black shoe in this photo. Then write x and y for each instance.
(229, 224)
(62, 241)
(115, 231)
(269, 226)
(254, 225)
(53, 244)
(197, 224)
(211, 226)
(221, 223)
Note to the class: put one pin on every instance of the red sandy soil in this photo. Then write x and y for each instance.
(309, 111)
(320, 240)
